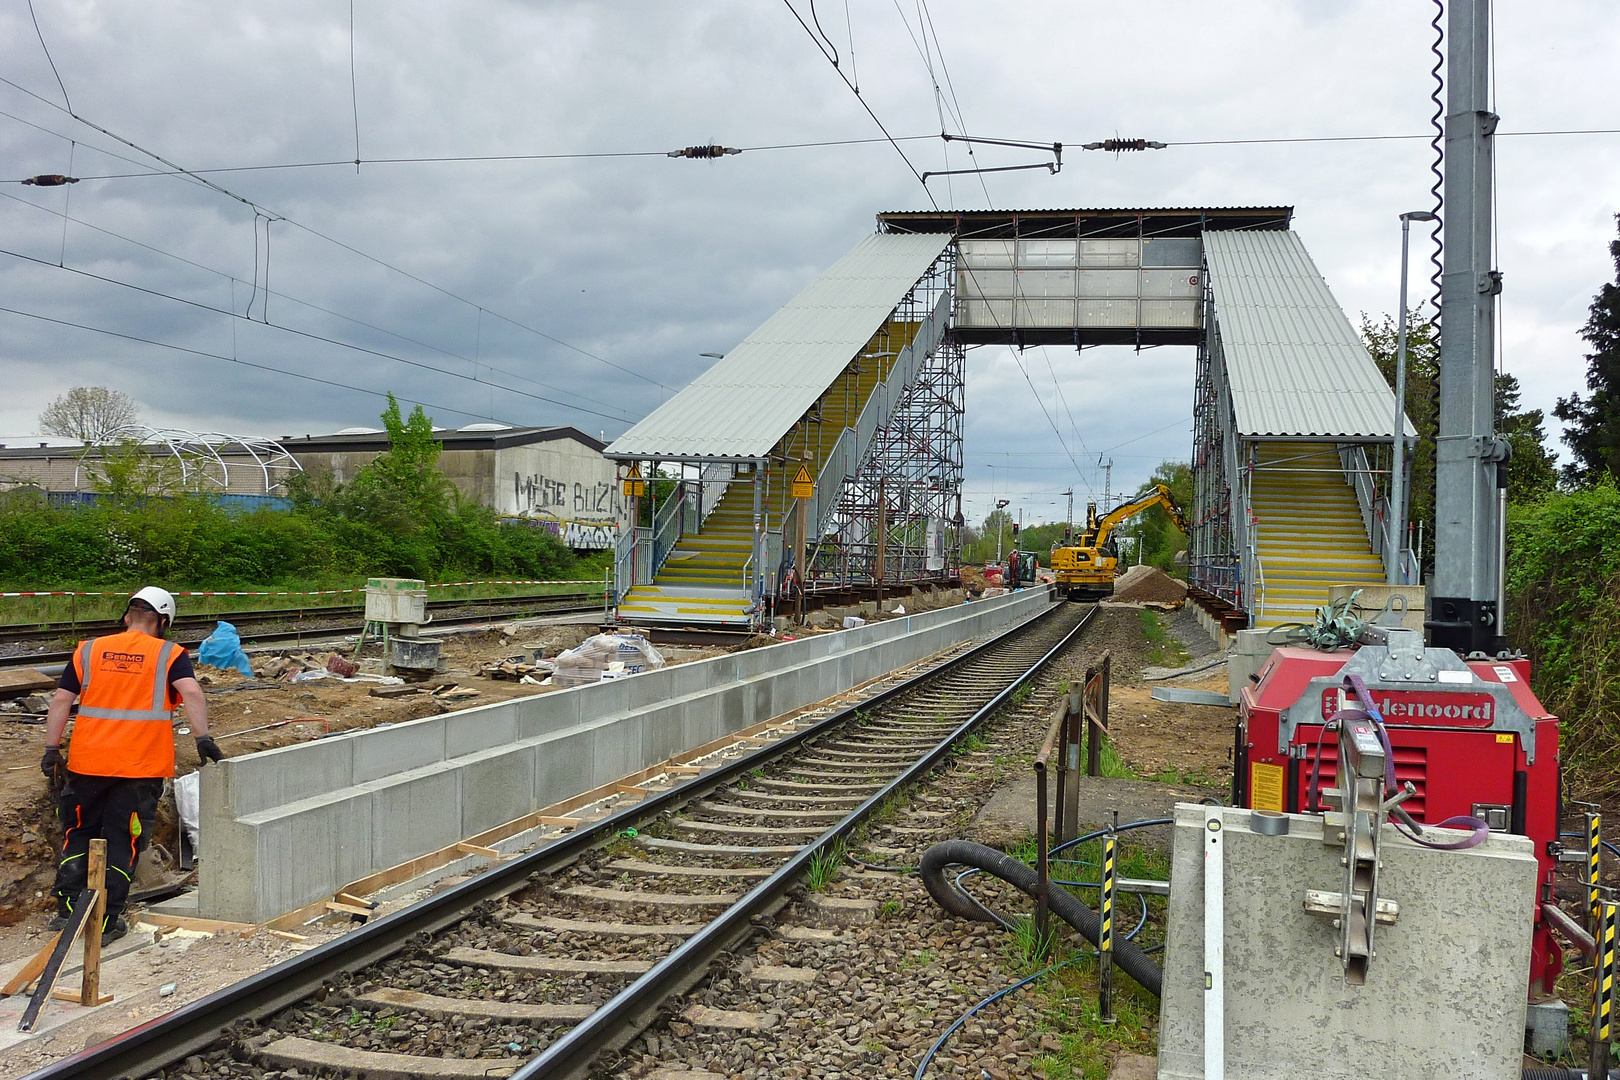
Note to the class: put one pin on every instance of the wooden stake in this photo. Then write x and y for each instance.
(90, 986)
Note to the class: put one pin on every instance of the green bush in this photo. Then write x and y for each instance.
(1564, 612)
(399, 517)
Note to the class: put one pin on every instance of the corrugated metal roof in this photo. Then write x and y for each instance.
(742, 405)
(1294, 363)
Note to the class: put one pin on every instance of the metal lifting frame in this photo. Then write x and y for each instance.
(911, 472)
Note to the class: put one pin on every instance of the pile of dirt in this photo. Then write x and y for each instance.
(1149, 583)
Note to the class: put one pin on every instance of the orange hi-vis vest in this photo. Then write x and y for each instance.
(126, 710)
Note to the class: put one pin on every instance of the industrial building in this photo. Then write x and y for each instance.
(553, 476)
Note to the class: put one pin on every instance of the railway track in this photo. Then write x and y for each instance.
(290, 624)
(540, 965)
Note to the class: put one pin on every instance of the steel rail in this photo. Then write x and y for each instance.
(572, 1054)
(31, 631)
(158, 1043)
(319, 633)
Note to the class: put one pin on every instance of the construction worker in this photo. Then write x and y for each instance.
(123, 747)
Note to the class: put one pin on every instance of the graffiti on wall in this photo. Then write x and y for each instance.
(582, 514)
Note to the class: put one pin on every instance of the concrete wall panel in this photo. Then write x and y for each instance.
(408, 815)
(397, 748)
(497, 786)
(468, 732)
(298, 854)
(286, 775)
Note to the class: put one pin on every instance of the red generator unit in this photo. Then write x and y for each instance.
(1468, 735)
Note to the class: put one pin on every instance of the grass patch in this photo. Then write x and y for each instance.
(1195, 775)
(1164, 650)
(824, 866)
(971, 743)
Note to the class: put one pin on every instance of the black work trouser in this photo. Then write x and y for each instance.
(117, 809)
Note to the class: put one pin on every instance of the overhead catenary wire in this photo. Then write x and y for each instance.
(251, 204)
(300, 333)
(833, 59)
(244, 363)
(234, 281)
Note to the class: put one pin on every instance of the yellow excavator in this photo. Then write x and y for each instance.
(1086, 571)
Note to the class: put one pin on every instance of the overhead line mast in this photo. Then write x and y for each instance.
(1466, 606)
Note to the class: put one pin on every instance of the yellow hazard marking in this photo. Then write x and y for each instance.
(1266, 786)
(803, 487)
(634, 486)
(1506, 737)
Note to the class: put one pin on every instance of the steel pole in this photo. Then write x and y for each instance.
(1397, 502)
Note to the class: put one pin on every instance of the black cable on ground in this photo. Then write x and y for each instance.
(1130, 957)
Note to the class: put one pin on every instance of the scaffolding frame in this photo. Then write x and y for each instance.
(907, 485)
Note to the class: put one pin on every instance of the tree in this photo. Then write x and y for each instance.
(1530, 470)
(1422, 405)
(1592, 423)
(1157, 535)
(90, 414)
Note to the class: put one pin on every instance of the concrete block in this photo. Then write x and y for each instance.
(276, 777)
(301, 850)
(408, 815)
(1249, 653)
(563, 765)
(546, 714)
(497, 786)
(1547, 1028)
(1445, 993)
(397, 748)
(480, 729)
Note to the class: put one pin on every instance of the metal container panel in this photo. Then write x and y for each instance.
(987, 253)
(1045, 312)
(1108, 314)
(1172, 251)
(1037, 253)
(1047, 283)
(1108, 283)
(1103, 253)
(974, 284)
(1184, 284)
(984, 314)
(1172, 314)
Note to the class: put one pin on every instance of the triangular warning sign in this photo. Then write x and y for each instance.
(635, 471)
(803, 477)
(803, 487)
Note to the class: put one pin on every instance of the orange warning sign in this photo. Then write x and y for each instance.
(803, 487)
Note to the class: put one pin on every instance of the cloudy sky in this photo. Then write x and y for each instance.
(581, 288)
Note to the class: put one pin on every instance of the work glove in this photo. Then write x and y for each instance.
(208, 750)
(52, 761)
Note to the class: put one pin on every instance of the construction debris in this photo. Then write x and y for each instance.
(606, 656)
(24, 681)
(516, 670)
(394, 691)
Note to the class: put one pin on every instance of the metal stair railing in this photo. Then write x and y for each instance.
(845, 455)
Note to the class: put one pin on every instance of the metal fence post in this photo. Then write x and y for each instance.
(1105, 937)
(1603, 972)
(1594, 866)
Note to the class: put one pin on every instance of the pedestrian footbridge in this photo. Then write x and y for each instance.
(857, 384)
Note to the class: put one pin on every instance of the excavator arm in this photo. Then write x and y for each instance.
(1158, 495)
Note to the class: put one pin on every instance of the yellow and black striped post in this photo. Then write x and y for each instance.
(1105, 936)
(1603, 972)
(1594, 866)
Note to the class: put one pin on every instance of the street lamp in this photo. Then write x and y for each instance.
(1397, 499)
(1000, 526)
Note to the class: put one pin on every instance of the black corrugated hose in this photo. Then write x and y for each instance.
(1131, 959)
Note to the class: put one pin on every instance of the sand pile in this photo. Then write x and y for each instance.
(1149, 583)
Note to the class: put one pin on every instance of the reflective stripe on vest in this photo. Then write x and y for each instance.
(84, 666)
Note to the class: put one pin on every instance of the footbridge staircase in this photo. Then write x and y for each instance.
(857, 363)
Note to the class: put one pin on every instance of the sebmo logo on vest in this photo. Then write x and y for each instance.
(123, 661)
(1420, 707)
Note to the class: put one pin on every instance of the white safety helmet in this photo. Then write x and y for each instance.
(159, 600)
